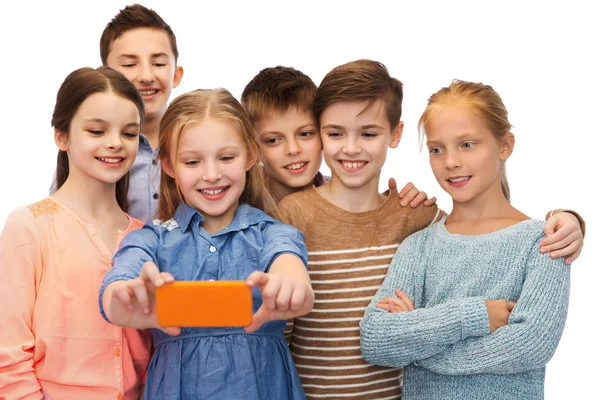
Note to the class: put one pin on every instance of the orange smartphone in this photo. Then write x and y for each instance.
(204, 304)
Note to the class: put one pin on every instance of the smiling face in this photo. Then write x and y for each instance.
(209, 165)
(355, 142)
(465, 156)
(145, 57)
(290, 147)
(103, 138)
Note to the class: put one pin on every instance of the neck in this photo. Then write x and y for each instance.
(87, 197)
(488, 205)
(278, 190)
(213, 224)
(359, 199)
(150, 129)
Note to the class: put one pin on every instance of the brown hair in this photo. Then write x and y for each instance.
(193, 107)
(277, 89)
(76, 88)
(132, 17)
(361, 80)
(483, 100)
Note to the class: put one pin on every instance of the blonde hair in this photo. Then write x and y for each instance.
(480, 98)
(193, 107)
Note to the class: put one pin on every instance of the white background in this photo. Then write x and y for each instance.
(541, 58)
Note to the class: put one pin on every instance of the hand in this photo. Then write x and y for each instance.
(411, 195)
(498, 312)
(283, 298)
(396, 305)
(563, 237)
(135, 298)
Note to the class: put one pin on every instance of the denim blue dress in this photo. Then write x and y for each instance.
(215, 363)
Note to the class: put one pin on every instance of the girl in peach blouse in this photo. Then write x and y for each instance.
(53, 255)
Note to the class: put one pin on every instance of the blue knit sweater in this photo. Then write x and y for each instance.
(445, 343)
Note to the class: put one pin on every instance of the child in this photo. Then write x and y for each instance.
(54, 254)
(454, 323)
(351, 231)
(279, 103)
(212, 231)
(142, 46)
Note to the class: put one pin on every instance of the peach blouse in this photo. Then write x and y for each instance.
(53, 340)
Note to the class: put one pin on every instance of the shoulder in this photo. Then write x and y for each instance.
(301, 199)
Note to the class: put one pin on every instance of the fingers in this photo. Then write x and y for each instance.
(299, 297)
(420, 198)
(575, 255)
(404, 297)
(430, 202)
(407, 188)
(257, 278)
(140, 291)
(121, 293)
(258, 319)
(171, 331)
(411, 196)
(392, 184)
(270, 291)
(284, 296)
(566, 251)
(150, 272)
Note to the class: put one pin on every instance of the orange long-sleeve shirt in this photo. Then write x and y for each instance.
(53, 340)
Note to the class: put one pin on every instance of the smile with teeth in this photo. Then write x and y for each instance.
(110, 160)
(458, 179)
(212, 192)
(148, 92)
(295, 166)
(353, 164)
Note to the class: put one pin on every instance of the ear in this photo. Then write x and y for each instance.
(61, 138)
(397, 135)
(507, 145)
(253, 155)
(167, 167)
(178, 75)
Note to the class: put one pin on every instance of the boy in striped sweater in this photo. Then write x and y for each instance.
(351, 231)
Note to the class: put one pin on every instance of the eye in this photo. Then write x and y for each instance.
(127, 65)
(95, 132)
(435, 150)
(159, 65)
(272, 141)
(306, 134)
(192, 163)
(227, 158)
(369, 134)
(130, 135)
(334, 135)
(468, 145)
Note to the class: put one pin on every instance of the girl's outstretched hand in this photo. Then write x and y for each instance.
(131, 303)
(284, 297)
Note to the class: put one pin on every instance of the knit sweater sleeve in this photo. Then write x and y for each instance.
(398, 339)
(533, 331)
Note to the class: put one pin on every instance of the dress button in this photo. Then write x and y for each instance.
(154, 162)
(212, 249)
(117, 352)
(155, 196)
(120, 396)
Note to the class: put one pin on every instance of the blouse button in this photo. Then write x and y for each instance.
(117, 352)
(212, 249)
(120, 396)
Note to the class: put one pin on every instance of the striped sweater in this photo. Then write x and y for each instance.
(348, 257)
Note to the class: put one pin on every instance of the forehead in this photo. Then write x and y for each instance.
(109, 107)
(355, 113)
(210, 134)
(454, 120)
(141, 42)
(290, 119)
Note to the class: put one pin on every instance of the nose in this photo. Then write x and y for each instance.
(145, 73)
(452, 160)
(293, 147)
(351, 147)
(114, 141)
(212, 172)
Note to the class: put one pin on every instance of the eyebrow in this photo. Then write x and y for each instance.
(333, 126)
(219, 150)
(372, 126)
(276, 132)
(153, 55)
(101, 121)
